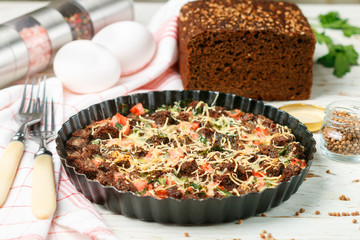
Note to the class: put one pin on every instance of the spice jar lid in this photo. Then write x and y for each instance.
(14, 56)
(105, 12)
(310, 115)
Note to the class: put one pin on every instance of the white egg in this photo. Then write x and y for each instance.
(86, 67)
(131, 42)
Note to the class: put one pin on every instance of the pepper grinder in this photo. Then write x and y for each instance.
(28, 43)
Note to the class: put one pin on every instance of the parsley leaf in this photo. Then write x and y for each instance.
(341, 65)
(202, 139)
(284, 151)
(333, 21)
(216, 148)
(224, 191)
(322, 38)
(96, 141)
(195, 186)
(340, 57)
(185, 103)
(118, 126)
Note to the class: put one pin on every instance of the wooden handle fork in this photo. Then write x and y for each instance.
(9, 163)
(43, 197)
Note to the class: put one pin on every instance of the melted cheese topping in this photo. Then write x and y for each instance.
(231, 153)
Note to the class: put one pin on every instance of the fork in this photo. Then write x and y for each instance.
(43, 196)
(10, 159)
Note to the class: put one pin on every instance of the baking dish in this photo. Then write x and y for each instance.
(188, 211)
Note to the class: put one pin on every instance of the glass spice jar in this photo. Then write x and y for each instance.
(340, 132)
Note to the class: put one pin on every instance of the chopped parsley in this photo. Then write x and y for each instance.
(118, 126)
(332, 20)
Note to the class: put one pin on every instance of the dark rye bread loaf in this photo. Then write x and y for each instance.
(257, 49)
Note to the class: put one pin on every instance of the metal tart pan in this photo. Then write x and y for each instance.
(189, 211)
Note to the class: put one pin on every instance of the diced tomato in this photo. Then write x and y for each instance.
(118, 118)
(220, 187)
(153, 125)
(261, 132)
(176, 154)
(185, 126)
(190, 128)
(170, 182)
(118, 175)
(162, 193)
(126, 129)
(207, 167)
(298, 162)
(97, 161)
(149, 155)
(126, 143)
(254, 142)
(258, 174)
(150, 186)
(194, 135)
(236, 114)
(190, 189)
(147, 193)
(140, 184)
(260, 183)
(138, 109)
(195, 125)
(153, 152)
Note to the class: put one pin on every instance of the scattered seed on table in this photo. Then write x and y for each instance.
(239, 221)
(264, 231)
(262, 235)
(317, 212)
(344, 198)
(302, 210)
(263, 215)
(328, 171)
(186, 234)
(297, 213)
(269, 235)
(354, 221)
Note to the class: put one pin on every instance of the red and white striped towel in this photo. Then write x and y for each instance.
(75, 217)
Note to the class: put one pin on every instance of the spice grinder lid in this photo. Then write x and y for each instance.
(105, 12)
(311, 116)
(14, 56)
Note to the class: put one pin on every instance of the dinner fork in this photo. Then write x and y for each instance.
(27, 116)
(43, 196)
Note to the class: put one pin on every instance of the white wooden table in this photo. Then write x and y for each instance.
(320, 191)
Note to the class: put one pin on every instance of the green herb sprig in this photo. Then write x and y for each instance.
(333, 21)
(339, 57)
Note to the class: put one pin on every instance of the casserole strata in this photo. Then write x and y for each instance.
(186, 150)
